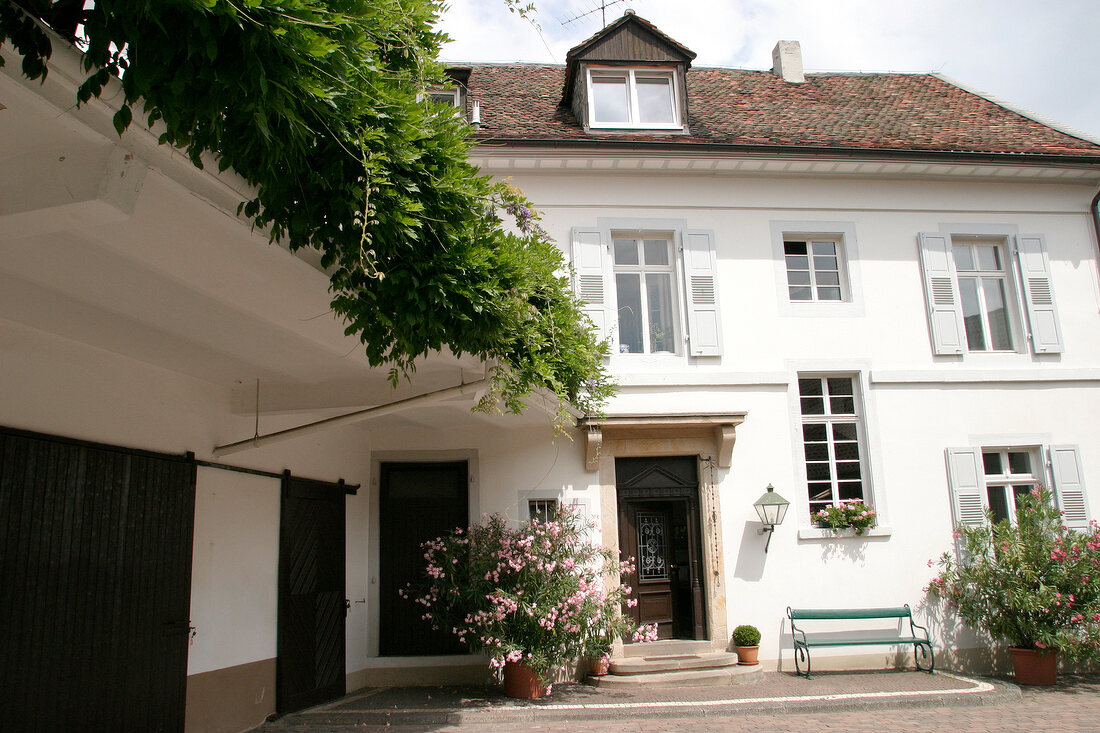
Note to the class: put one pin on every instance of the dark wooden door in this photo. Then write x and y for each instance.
(647, 540)
(95, 585)
(310, 662)
(418, 502)
(658, 527)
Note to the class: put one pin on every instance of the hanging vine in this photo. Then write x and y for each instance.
(318, 105)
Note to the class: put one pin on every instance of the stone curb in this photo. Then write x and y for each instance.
(1000, 692)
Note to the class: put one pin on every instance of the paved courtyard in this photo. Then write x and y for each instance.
(885, 701)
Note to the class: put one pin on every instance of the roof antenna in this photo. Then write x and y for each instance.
(600, 5)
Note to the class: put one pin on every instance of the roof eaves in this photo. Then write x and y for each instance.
(777, 150)
(1033, 116)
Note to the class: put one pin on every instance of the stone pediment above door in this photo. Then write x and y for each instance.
(654, 477)
(667, 434)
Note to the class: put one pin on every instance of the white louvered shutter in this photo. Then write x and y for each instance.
(968, 493)
(1069, 485)
(700, 284)
(1042, 316)
(941, 287)
(592, 265)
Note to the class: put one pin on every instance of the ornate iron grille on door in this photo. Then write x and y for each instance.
(652, 546)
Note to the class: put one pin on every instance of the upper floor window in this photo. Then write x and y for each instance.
(642, 98)
(983, 286)
(447, 97)
(649, 289)
(815, 269)
(645, 293)
(975, 302)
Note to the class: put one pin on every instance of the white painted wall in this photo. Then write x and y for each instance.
(235, 575)
(916, 404)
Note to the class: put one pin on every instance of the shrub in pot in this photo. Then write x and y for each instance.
(536, 595)
(747, 640)
(1034, 584)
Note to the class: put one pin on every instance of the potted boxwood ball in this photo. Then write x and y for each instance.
(747, 640)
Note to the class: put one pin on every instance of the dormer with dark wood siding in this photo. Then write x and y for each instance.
(629, 76)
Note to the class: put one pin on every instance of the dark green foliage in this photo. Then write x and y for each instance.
(315, 103)
(746, 635)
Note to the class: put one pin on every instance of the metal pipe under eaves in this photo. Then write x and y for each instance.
(366, 413)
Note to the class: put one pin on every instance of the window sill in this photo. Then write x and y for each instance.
(819, 534)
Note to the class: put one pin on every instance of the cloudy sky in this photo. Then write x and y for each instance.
(1041, 55)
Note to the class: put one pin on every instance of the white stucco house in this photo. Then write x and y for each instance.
(872, 286)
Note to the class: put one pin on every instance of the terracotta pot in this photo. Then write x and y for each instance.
(520, 681)
(599, 666)
(748, 655)
(1034, 666)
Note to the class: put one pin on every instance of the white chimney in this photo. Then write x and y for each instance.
(787, 62)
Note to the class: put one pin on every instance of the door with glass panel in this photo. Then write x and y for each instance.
(645, 294)
(659, 529)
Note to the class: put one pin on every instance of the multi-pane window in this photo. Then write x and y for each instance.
(633, 98)
(983, 288)
(1009, 475)
(448, 97)
(831, 440)
(543, 510)
(644, 289)
(814, 269)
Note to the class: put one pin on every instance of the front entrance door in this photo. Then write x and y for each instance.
(658, 527)
(418, 502)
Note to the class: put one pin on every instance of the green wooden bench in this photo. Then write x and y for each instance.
(922, 645)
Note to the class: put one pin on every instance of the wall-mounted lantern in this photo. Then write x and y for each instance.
(772, 509)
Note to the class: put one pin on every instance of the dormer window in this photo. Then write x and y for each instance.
(448, 97)
(628, 77)
(639, 98)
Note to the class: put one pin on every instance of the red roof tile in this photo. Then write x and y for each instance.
(523, 103)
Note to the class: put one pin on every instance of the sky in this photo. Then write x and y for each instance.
(1039, 55)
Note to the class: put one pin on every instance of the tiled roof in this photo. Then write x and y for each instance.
(922, 112)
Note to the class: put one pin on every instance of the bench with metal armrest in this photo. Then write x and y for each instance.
(922, 645)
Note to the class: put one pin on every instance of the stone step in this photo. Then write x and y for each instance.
(671, 663)
(734, 675)
(667, 647)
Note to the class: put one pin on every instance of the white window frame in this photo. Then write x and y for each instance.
(630, 74)
(814, 272)
(1029, 290)
(1005, 275)
(1006, 481)
(538, 508)
(858, 416)
(642, 269)
(844, 234)
(698, 302)
(1057, 467)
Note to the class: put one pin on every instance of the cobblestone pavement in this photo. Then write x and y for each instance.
(842, 703)
(1071, 706)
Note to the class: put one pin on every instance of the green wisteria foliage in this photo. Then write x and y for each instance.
(319, 105)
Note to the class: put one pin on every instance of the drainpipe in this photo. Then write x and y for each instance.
(1096, 219)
